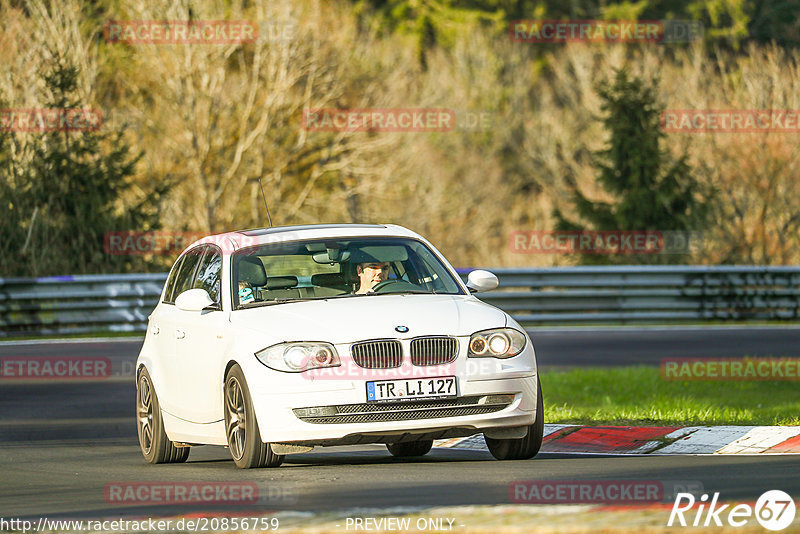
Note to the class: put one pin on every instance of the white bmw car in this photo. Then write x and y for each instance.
(273, 341)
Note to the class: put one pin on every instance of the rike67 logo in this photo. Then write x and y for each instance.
(774, 510)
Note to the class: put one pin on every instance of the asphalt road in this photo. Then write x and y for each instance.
(64, 443)
(69, 479)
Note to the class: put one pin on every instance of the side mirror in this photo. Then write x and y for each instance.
(194, 300)
(480, 280)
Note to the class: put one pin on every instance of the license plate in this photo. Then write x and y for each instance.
(411, 389)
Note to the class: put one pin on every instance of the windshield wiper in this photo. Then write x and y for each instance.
(404, 292)
(284, 300)
(248, 305)
(281, 300)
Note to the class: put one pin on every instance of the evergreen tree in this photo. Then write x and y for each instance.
(63, 196)
(651, 191)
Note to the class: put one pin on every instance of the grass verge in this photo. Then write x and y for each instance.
(639, 396)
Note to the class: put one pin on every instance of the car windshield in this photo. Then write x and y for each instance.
(337, 268)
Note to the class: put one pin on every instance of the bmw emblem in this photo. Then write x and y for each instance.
(402, 329)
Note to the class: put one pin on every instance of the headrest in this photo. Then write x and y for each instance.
(281, 282)
(349, 273)
(251, 270)
(328, 279)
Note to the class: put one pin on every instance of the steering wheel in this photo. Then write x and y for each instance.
(394, 285)
(377, 288)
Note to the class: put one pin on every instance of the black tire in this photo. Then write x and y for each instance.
(153, 441)
(410, 448)
(522, 448)
(241, 427)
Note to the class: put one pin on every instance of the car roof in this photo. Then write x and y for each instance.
(231, 241)
(305, 227)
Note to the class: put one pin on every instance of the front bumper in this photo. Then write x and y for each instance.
(278, 401)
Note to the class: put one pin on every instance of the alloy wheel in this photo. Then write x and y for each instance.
(144, 413)
(236, 420)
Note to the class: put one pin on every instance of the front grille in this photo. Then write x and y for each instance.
(380, 354)
(433, 350)
(406, 411)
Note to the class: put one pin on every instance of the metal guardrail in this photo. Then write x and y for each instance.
(648, 294)
(78, 304)
(565, 295)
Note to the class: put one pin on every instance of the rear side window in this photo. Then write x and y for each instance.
(209, 273)
(185, 276)
(171, 281)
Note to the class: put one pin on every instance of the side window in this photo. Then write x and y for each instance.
(186, 274)
(209, 273)
(168, 297)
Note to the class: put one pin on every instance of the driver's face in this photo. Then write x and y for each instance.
(371, 274)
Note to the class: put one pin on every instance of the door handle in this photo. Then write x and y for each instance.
(180, 334)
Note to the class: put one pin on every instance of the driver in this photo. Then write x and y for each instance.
(371, 274)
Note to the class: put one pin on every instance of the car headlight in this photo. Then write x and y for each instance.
(496, 343)
(299, 357)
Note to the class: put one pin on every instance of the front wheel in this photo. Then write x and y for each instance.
(521, 448)
(153, 441)
(241, 427)
(410, 448)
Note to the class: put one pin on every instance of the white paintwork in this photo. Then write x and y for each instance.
(480, 280)
(186, 432)
(188, 357)
(348, 320)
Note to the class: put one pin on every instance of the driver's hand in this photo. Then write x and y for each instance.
(372, 274)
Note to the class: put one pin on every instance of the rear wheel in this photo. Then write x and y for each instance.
(153, 441)
(410, 448)
(241, 427)
(522, 448)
